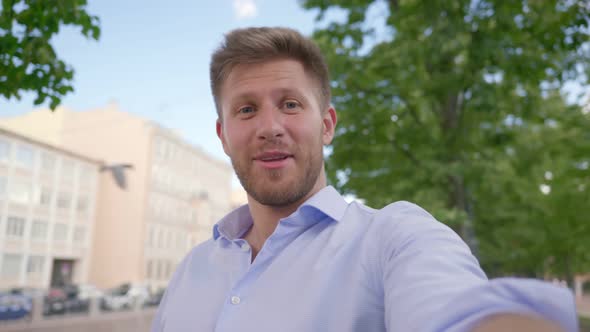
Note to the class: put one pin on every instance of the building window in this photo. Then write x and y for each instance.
(168, 269)
(45, 197)
(4, 150)
(159, 269)
(64, 200)
(148, 269)
(182, 240)
(80, 234)
(47, 162)
(60, 232)
(161, 237)
(39, 230)
(35, 265)
(150, 238)
(169, 239)
(20, 192)
(3, 182)
(11, 265)
(152, 205)
(82, 204)
(25, 156)
(15, 226)
(67, 169)
(86, 174)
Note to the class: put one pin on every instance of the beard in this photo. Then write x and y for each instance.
(280, 187)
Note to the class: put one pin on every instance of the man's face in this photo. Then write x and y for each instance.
(273, 129)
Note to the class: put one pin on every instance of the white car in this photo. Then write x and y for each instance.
(126, 296)
(89, 292)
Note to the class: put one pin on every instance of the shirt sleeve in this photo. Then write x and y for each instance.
(432, 282)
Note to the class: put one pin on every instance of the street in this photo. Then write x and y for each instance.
(131, 321)
(583, 306)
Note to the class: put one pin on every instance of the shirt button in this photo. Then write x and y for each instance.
(245, 247)
(235, 300)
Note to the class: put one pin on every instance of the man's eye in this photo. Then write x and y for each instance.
(246, 110)
(291, 105)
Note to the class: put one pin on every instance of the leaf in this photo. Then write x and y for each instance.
(41, 72)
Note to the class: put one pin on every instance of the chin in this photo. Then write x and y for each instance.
(278, 194)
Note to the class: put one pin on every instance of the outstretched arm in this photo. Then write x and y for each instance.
(432, 282)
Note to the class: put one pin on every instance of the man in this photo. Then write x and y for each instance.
(297, 257)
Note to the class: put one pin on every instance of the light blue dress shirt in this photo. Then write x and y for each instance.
(337, 266)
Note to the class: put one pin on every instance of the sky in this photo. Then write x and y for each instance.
(152, 59)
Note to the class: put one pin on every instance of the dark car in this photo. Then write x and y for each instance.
(15, 305)
(54, 302)
(73, 301)
(64, 300)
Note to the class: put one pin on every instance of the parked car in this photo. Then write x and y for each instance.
(54, 302)
(155, 298)
(29, 292)
(73, 302)
(126, 296)
(59, 301)
(15, 305)
(89, 292)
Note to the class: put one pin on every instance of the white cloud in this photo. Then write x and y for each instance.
(245, 9)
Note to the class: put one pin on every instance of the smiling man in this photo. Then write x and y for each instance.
(273, 127)
(297, 257)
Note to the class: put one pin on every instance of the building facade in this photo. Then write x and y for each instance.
(47, 213)
(174, 192)
(188, 192)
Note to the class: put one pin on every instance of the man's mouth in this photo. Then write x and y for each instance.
(273, 159)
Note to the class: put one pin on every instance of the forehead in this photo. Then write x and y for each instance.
(280, 71)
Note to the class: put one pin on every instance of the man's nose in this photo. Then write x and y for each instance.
(270, 123)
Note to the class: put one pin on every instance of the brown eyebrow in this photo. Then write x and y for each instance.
(295, 93)
(249, 96)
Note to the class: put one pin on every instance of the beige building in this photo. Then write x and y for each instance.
(239, 197)
(47, 197)
(174, 191)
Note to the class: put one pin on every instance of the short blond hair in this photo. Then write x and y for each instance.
(257, 45)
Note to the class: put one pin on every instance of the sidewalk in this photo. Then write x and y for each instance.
(583, 305)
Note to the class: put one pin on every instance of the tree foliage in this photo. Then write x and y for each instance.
(456, 105)
(28, 61)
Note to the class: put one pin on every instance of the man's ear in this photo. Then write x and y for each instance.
(219, 129)
(329, 121)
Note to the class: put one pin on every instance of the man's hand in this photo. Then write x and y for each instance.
(513, 322)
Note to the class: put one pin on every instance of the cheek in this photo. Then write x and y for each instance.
(234, 136)
(311, 135)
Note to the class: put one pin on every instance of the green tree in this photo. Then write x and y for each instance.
(446, 103)
(28, 61)
(537, 219)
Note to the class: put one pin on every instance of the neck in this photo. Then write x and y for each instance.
(266, 218)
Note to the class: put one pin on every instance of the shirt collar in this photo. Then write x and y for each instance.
(233, 225)
(326, 202)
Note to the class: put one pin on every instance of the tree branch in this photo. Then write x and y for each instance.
(406, 152)
(393, 4)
